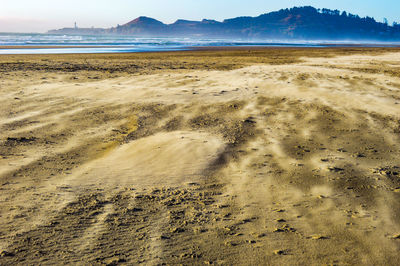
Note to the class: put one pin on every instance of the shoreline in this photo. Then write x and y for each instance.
(126, 49)
(5, 47)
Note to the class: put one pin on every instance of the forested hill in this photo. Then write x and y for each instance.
(301, 23)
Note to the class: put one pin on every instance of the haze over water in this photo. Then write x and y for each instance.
(120, 44)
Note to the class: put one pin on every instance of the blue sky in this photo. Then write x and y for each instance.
(41, 15)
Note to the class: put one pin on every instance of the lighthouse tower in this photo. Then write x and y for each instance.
(76, 26)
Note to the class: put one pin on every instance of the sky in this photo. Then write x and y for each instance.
(43, 15)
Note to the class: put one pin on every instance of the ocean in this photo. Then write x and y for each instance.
(67, 44)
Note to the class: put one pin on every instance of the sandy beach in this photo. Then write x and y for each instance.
(250, 156)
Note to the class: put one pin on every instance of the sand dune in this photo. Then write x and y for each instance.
(293, 163)
(164, 159)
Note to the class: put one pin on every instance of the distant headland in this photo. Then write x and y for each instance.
(298, 23)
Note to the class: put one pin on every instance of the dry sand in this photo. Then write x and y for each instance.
(248, 157)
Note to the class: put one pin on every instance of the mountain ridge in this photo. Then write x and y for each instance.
(295, 23)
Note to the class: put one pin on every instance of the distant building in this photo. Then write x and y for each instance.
(76, 26)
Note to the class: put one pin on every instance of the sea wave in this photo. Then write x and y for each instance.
(114, 44)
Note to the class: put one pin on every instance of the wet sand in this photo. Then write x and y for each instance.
(245, 156)
(51, 46)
